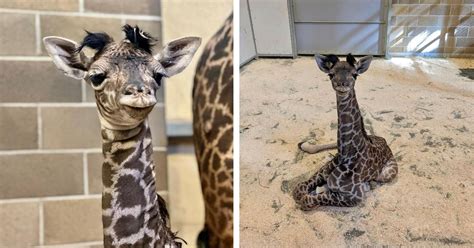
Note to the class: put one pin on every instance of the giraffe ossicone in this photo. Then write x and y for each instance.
(361, 158)
(125, 76)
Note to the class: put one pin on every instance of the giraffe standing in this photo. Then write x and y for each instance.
(213, 127)
(361, 158)
(125, 76)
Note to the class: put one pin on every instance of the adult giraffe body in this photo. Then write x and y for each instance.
(125, 77)
(213, 136)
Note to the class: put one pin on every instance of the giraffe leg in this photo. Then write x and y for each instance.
(333, 198)
(389, 171)
(311, 149)
(318, 179)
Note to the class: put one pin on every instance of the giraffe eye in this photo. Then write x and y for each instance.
(355, 75)
(330, 75)
(97, 79)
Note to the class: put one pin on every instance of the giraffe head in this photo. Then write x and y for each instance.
(343, 74)
(125, 75)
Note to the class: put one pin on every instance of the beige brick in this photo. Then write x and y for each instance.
(95, 160)
(400, 9)
(137, 7)
(38, 175)
(440, 9)
(18, 128)
(94, 170)
(55, 5)
(158, 126)
(408, 1)
(72, 27)
(36, 81)
(70, 221)
(20, 224)
(465, 42)
(429, 21)
(420, 10)
(452, 1)
(430, 1)
(71, 127)
(438, 21)
(408, 21)
(18, 36)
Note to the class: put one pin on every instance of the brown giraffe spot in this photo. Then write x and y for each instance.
(214, 91)
(213, 180)
(216, 162)
(225, 142)
(227, 204)
(229, 163)
(221, 177)
(130, 193)
(224, 191)
(106, 200)
(122, 155)
(127, 225)
(107, 175)
(222, 221)
(212, 74)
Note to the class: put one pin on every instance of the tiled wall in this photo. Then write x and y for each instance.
(50, 146)
(432, 28)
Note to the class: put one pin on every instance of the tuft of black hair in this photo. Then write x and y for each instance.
(350, 59)
(162, 208)
(332, 59)
(139, 38)
(96, 41)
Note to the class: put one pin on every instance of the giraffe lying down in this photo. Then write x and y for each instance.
(361, 158)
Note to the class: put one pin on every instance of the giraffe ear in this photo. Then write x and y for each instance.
(363, 64)
(66, 56)
(325, 63)
(177, 55)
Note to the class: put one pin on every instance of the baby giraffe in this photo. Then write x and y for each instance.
(125, 76)
(361, 158)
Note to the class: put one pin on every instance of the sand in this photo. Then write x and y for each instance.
(422, 107)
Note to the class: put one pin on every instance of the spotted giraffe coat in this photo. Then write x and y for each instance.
(213, 127)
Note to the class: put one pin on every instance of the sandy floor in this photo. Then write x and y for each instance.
(422, 107)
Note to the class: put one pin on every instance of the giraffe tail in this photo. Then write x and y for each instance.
(309, 148)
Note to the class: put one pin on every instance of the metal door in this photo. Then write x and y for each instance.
(247, 40)
(341, 26)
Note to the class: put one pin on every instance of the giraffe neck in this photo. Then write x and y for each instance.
(351, 135)
(131, 209)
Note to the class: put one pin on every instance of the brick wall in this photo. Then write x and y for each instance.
(432, 28)
(50, 146)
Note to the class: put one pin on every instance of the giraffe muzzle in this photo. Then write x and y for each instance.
(138, 97)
